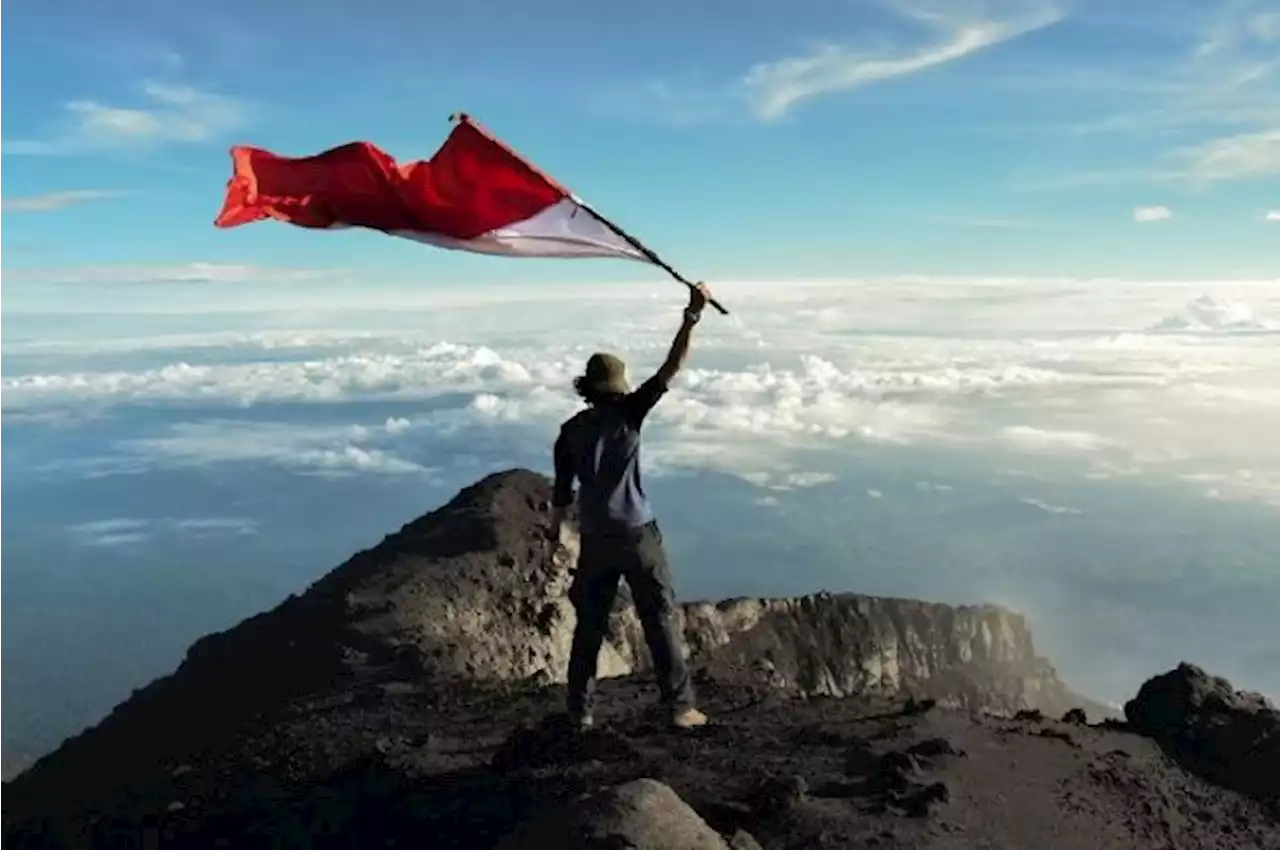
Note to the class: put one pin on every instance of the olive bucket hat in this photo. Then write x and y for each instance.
(606, 375)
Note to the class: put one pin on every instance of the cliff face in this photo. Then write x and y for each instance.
(497, 609)
(973, 657)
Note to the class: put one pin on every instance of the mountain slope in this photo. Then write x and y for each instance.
(387, 702)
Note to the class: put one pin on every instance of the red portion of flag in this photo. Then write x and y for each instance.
(472, 185)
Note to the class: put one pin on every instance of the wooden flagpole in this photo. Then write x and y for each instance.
(626, 237)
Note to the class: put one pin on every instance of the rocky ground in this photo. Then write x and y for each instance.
(406, 700)
(401, 766)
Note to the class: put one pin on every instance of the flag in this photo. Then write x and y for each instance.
(475, 194)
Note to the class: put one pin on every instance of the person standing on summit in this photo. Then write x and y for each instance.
(600, 448)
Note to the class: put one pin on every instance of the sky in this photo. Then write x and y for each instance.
(816, 138)
(1003, 277)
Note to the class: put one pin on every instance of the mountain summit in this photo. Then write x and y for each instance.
(411, 696)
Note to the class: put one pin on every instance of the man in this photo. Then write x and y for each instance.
(600, 447)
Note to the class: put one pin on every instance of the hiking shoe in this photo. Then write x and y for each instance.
(688, 718)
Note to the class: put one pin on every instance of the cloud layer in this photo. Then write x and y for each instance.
(1125, 379)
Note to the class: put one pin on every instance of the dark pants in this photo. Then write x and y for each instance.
(640, 559)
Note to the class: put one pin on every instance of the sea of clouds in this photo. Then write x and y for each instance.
(1099, 454)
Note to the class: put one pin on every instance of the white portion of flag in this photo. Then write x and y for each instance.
(564, 229)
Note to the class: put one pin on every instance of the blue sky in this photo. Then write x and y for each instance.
(807, 139)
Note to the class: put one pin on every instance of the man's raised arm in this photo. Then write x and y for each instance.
(698, 298)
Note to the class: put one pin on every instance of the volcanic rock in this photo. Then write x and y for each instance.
(1076, 717)
(642, 815)
(1230, 736)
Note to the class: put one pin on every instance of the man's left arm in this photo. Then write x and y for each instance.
(562, 493)
(645, 398)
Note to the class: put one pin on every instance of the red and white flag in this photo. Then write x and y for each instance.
(474, 194)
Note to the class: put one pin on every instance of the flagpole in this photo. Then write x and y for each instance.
(649, 255)
(622, 234)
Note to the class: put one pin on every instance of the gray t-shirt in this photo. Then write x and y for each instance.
(600, 447)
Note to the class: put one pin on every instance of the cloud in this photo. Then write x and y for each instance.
(58, 200)
(124, 531)
(1048, 439)
(1144, 215)
(329, 451)
(163, 114)
(774, 88)
(1048, 508)
(196, 272)
(1204, 112)
(1244, 156)
(1272, 215)
(673, 102)
(788, 480)
(924, 38)
(1089, 375)
(875, 494)
(1239, 24)
(1207, 313)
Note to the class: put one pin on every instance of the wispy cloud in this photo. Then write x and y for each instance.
(1047, 507)
(1206, 113)
(57, 200)
(1054, 439)
(994, 223)
(228, 273)
(123, 531)
(935, 34)
(676, 103)
(164, 114)
(1272, 215)
(774, 88)
(980, 222)
(1146, 215)
(1241, 156)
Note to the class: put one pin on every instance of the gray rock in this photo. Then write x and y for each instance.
(641, 815)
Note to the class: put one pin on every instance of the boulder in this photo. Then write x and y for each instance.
(640, 815)
(1230, 737)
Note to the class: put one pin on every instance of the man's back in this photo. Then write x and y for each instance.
(600, 446)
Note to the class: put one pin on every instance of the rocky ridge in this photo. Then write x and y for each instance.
(470, 591)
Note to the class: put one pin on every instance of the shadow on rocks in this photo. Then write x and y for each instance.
(556, 742)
